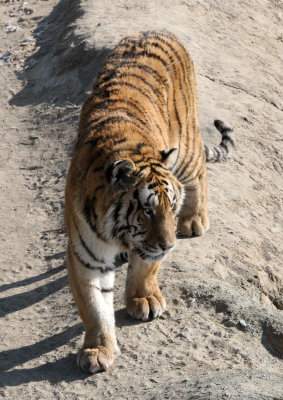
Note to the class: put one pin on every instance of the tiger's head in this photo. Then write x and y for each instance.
(148, 200)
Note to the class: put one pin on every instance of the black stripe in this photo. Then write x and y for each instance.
(155, 164)
(117, 210)
(111, 102)
(88, 209)
(173, 50)
(139, 233)
(158, 39)
(88, 212)
(154, 89)
(129, 210)
(106, 290)
(103, 290)
(90, 253)
(144, 68)
(225, 147)
(148, 199)
(119, 109)
(110, 137)
(188, 147)
(159, 166)
(183, 162)
(102, 269)
(109, 119)
(153, 185)
(119, 141)
(132, 86)
(145, 53)
(158, 45)
(89, 206)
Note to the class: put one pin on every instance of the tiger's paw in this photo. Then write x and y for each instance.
(145, 307)
(194, 226)
(95, 360)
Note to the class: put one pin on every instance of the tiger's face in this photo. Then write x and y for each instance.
(144, 217)
(152, 230)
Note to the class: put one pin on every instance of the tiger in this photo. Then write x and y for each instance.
(137, 176)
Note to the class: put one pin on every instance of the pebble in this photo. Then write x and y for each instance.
(275, 229)
(243, 323)
(11, 28)
(182, 335)
(28, 10)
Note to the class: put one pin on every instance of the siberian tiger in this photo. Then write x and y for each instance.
(138, 174)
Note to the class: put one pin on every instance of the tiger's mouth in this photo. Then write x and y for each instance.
(150, 256)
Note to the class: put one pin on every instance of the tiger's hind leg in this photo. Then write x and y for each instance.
(193, 218)
(143, 296)
(93, 293)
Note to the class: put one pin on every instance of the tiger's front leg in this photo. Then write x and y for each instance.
(93, 293)
(193, 217)
(143, 296)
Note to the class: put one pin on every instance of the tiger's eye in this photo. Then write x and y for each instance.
(148, 212)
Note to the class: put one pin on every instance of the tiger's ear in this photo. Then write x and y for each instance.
(120, 174)
(166, 156)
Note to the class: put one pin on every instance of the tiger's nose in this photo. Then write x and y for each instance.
(166, 246)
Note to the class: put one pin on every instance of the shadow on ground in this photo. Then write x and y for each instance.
(20, 301)
(15, 357)
(64, 66)
(32, 279)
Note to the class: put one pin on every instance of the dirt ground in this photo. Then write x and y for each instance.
(222, 336)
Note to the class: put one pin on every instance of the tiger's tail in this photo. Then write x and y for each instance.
(221, 152)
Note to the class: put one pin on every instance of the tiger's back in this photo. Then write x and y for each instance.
(147, 85)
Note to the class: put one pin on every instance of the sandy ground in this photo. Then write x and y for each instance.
(222, 336)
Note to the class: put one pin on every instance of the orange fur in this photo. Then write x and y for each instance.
(137, 164)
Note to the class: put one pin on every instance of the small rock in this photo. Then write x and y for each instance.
(28, 10)
(182, 335)
(243, 324)
(11, 28)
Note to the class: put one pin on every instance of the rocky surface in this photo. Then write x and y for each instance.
(222, 336)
